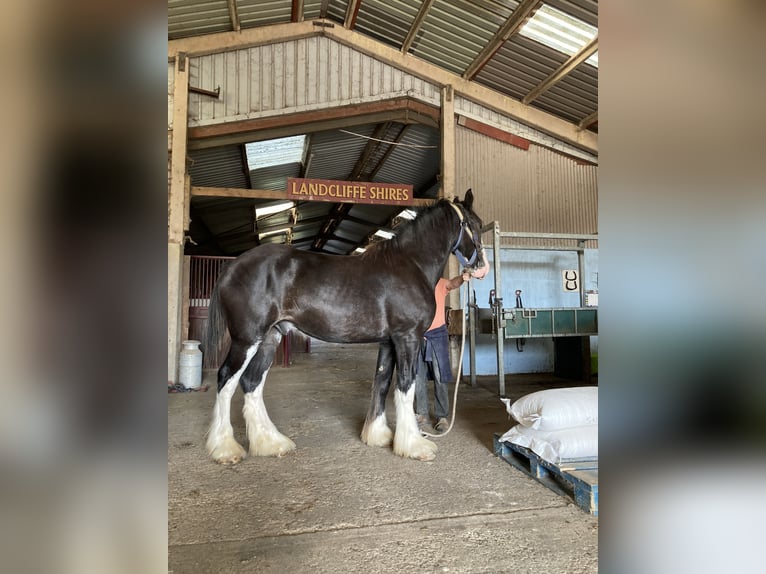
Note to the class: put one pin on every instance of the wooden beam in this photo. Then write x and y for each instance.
(493, 132)
(399, 109)
(233, 15)
(388, 152)
(538, 119)
(448, 149)
(296, 12)
(515, 21)
(587, 51)
(416, 24)
(588, 121)
(247, 38)
(352, 11)
(199, 191)
(176, 207)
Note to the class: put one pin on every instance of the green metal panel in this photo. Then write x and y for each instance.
(587, 321)
(566, 322)
(515, 325)
(541, 323)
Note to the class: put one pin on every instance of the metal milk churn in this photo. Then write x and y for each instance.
(190, 365)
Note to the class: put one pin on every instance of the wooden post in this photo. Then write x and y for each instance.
(448, 143)
(177, 209)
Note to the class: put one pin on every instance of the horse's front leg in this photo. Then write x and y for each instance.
(376, 431)
(408, 441)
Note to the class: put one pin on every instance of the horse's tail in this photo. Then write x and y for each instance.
(216, 328)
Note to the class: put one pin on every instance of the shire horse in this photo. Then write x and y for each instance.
(384, 295)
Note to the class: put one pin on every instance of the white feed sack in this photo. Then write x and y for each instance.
(556, 424)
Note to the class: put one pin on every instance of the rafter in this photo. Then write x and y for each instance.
(296, 13)
(588, 121)
(416, 24)
(234, 15)
(515, 21)
(587, 51)
(352, 11)
(388, 152)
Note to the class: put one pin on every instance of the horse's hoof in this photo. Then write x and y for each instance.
(229, 458)
(422, 449)
(229, 461)
(279, 446)
(426, 456)
(377, 432)
(228, 452)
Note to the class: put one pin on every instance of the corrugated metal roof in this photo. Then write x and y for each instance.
(218, 167)
(195, 17)
(455, 32)
(452, 35)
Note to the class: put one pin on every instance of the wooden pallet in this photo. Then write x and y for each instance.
(573, 479)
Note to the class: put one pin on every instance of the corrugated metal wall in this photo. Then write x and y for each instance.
(536, 190)
(307, 74)
(471, 109)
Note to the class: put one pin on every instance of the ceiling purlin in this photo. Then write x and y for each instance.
(515, 21)
(339, 211)
(323, 9)
(387, 153)
(566, 68)
(245, 169)
(296, 13)
(352, 11)
(416, 24)
(234, 15)
(372, 145)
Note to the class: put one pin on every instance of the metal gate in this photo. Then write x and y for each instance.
(203, 273)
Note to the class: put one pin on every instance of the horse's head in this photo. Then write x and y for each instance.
(467, 247)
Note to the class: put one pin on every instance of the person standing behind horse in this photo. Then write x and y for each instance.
(433, 360)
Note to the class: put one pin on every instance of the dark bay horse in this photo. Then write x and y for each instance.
(384, 295)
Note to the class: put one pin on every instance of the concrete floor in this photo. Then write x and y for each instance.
(336, 505)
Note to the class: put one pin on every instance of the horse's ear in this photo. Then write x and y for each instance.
(468, 201)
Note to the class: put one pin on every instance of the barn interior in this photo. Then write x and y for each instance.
(441, 95)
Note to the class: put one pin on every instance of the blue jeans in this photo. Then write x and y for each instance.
(441, 392)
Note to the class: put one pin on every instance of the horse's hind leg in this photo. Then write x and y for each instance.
(221, 444)
(376, 431)
(264, 438)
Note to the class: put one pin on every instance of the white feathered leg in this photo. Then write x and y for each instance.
(265, 439)
(221, 444)
(408, 441)
(377, 432)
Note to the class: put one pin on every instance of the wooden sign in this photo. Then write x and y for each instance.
(299, 189)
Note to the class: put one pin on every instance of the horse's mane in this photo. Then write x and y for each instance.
(411, 234)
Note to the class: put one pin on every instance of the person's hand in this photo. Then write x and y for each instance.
(466, 276)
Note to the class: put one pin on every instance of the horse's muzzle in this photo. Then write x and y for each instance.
(480, 272)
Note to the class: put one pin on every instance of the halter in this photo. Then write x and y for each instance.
(460, 257)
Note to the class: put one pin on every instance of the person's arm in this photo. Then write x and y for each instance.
(457, 281)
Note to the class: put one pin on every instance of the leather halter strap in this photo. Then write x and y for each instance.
(460, 257)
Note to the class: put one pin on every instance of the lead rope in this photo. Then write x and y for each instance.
(459, 369)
